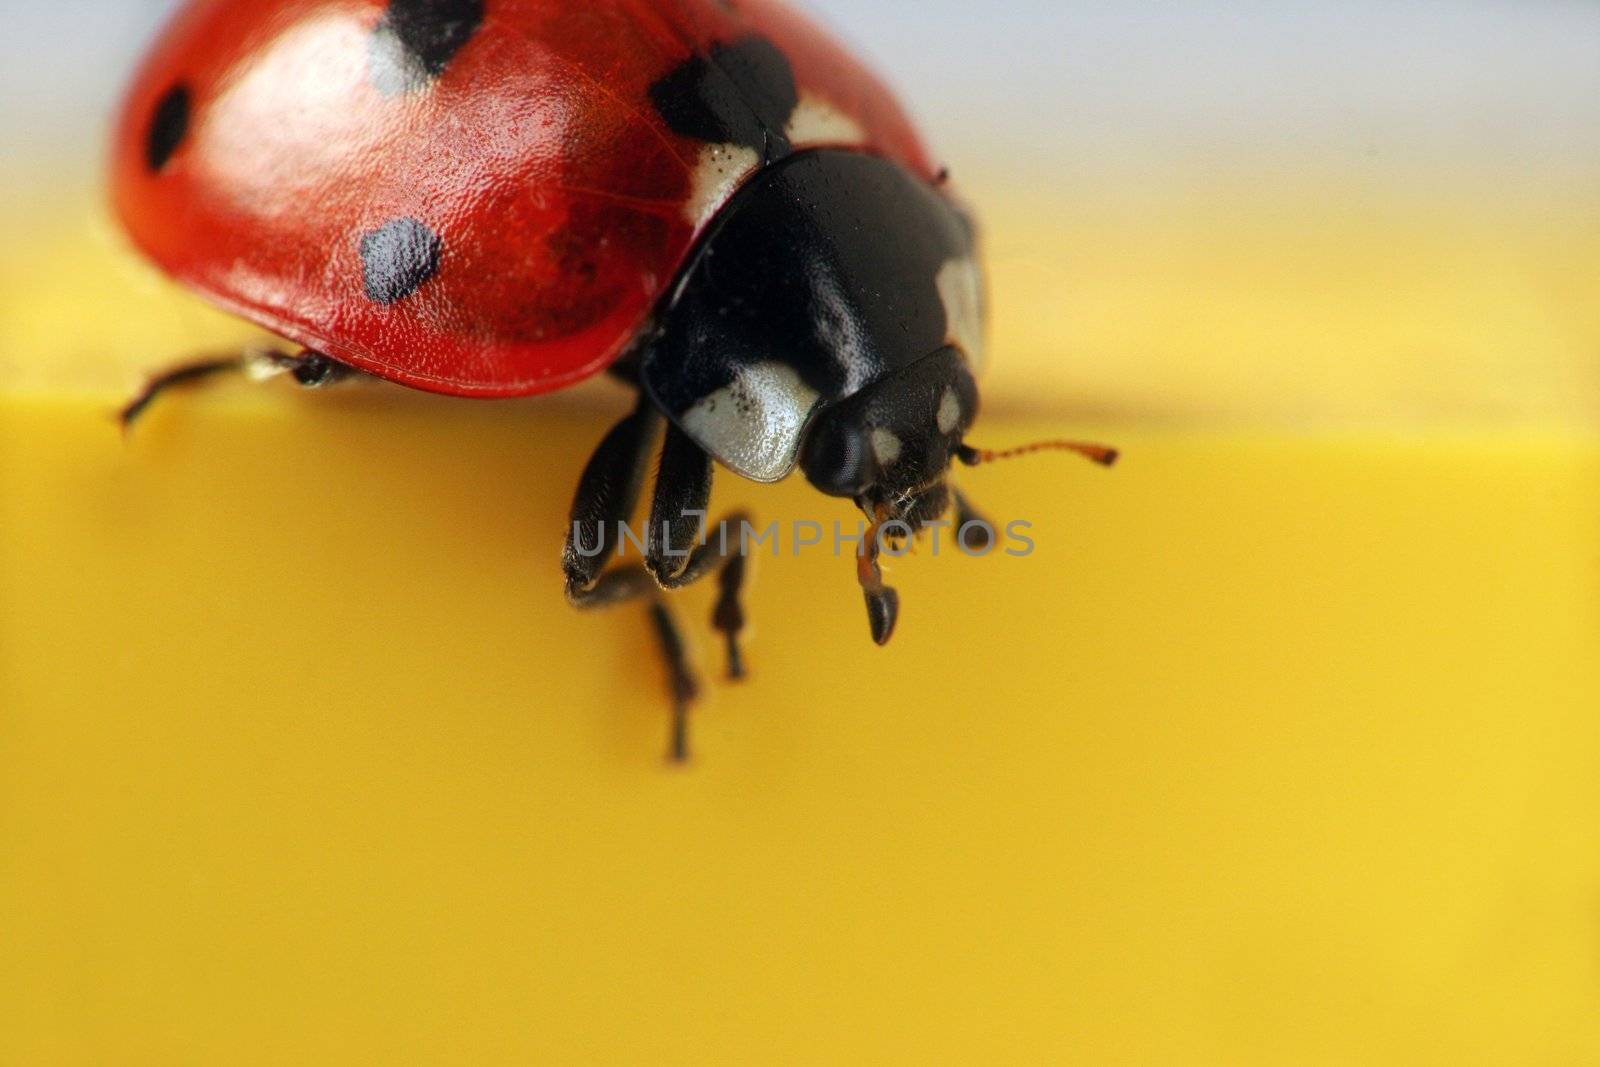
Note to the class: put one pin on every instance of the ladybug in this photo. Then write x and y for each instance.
(711, 200)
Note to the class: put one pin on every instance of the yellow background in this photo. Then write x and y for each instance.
(1282, 748)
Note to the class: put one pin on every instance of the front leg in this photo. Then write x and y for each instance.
(606, 497)
(309, 369)
(678, 522)
(678, 510)
(607, 493)
(673, 557)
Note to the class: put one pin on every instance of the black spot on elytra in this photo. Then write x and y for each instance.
(416, 39)
(168, 126)
(397, 258)
(742, 93)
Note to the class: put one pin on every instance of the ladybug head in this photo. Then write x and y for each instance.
(889, 447)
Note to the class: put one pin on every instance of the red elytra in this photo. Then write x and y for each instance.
(564, 205)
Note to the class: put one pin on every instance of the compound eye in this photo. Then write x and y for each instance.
(836, 459)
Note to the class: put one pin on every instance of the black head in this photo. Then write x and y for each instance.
(889, 447)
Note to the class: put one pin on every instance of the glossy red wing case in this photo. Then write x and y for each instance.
(488, 206)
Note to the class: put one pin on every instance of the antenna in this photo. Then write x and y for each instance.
(1101, 454)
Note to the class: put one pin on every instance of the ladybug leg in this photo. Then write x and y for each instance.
(673, 557)
(685, 686)
(722, 554)
(309, 369)
(678, 508)
(607, 493)
(632, 583)
(675, 553)
(636, 581)
(728, 616)
(677, 519)
(172, 378)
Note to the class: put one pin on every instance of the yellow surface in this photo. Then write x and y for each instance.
(1281, 749)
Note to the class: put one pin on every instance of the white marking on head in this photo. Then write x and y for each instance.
(721, 169)
(816, 121)
(886, 446)
(961, 288)
(753, 426)
(949, 412)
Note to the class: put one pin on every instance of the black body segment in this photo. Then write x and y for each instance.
(828, 272)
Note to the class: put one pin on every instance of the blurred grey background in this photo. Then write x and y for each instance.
(1097, 87)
